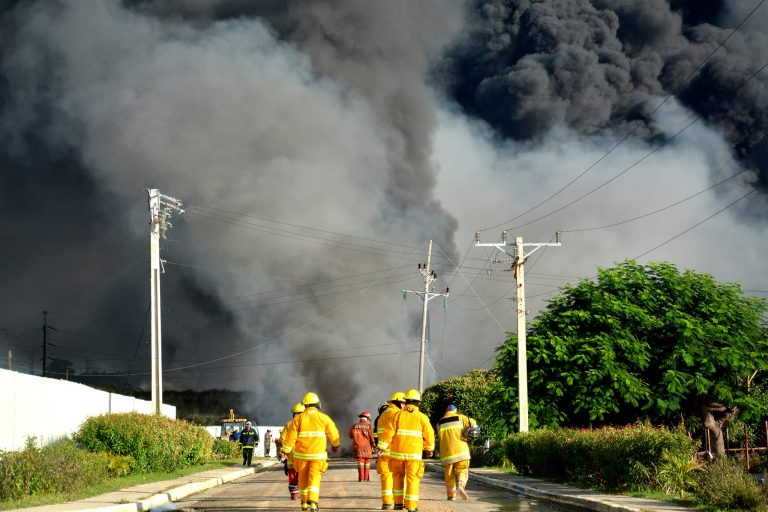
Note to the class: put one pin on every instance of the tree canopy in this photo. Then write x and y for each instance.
(471, 393)
(639, 341)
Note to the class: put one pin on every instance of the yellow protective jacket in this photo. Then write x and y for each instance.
(307, 433)
(288, 456)
(408, 435)
(385, 420)
(453, 447)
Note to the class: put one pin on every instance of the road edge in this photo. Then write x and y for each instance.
(580, 502)
(181, 491)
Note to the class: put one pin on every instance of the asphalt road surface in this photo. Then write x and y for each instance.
(340, 490)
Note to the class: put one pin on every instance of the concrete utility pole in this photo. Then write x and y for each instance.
(429, 276)
(161, 207)
(10, 359)
(519, 257)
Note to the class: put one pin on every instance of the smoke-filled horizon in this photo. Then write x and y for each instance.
(317, 146)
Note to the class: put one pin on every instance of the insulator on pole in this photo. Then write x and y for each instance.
(503, 236)
(477, 236)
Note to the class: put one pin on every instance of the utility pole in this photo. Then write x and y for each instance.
(46, 328)
(519, 257)
(429, 276)
(161, 207)
(10, 359)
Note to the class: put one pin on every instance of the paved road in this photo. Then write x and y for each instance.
(340, 490)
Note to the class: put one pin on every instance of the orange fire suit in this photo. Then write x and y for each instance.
(454, 450)
(306, 438)
(362, 444)
(385, 420)
(406, 438)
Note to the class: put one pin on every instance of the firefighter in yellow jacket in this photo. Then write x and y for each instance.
(452, 430)
(290, 470)
(306, 437)
(385, 419)
(406, 438)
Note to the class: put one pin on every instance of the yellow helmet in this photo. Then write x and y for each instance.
(398, 397)
(311, 399)
(413, 394)
(297, 408)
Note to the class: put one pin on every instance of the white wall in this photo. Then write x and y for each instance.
(50, 409)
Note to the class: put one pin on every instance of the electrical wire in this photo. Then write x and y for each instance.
(654, 212)
(691, 228)
(628, 135)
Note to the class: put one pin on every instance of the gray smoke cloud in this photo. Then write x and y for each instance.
(232, 113)
(283, 123)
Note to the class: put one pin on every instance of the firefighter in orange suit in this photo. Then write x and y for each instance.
(385, 418)
(306, 438)
(453, 431)
(290, 470)
(362, 445)
(406, 438)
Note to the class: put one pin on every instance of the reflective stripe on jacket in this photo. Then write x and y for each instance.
(408, 435)
(249, 438)
(306, 435)
(453, 448)
(383, 422)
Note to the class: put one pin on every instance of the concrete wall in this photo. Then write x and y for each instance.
(50, 409)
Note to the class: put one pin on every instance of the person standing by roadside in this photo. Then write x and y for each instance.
(453, 431)
(267, 442)
(249, 439)
(306, 438)
(362, 445)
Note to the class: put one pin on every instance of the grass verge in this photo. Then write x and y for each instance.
(115, 484)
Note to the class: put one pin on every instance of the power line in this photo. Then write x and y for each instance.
(624, 171)
(654, 212)
(684, 232)
(245, 365)
(628, 135)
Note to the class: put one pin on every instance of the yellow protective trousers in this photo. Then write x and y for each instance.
(406, 481)
(456, 476)
(385, 475)
(310, 472)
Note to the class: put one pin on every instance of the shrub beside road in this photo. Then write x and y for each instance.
(132, 446)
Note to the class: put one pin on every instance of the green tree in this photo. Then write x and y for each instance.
(471, 393)
(642, 341)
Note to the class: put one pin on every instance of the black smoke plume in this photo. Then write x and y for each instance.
(595, 65)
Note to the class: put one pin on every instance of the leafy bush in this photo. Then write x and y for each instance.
(471, 393)
(155, 443)
(725, 485)
(223, 449)
(677, 473)
(494, 456)
(57, 467)
(606, 458)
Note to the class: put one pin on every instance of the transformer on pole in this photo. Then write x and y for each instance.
(161, 208)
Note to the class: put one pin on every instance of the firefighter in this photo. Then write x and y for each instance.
(453, 431)
(396, 402)
(290, 470)
(306, 438)
(407, 438)
(249, 439)
(362, 444)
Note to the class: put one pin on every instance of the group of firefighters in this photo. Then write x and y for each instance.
(401, 437)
